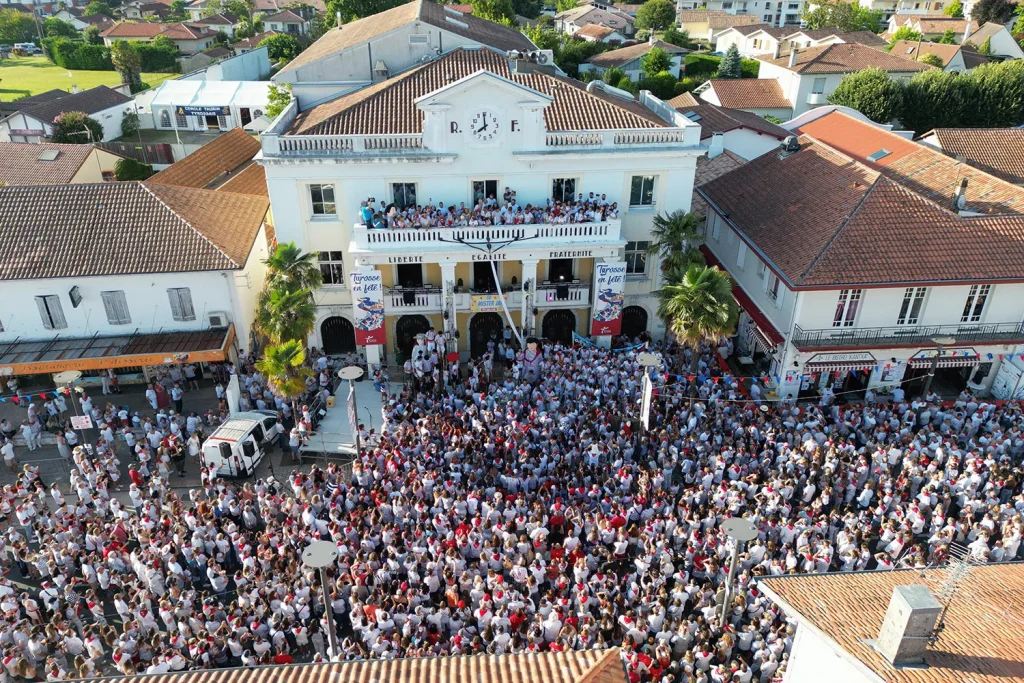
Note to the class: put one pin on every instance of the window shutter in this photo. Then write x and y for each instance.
(57, 312)
(116, 306)
(172, 295)
(43, 313)
(185, 299)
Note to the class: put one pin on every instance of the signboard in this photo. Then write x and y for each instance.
(368, 305)
(645, 404)
(842, 357)
(952, 352)
(487, 303)
(81, 422)
(203, 111)
(609, 281)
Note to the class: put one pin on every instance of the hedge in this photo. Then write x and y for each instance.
(154, 58)
(77, 55)
(706, 66)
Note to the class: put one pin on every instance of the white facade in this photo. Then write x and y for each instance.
(21, 127)
(807, 91)
(202, 105)
(633, 68)
(442, 165)
(771, 12)
(708, 94)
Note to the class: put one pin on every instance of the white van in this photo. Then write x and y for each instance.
(236, 447)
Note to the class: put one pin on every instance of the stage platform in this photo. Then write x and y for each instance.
(333, 436)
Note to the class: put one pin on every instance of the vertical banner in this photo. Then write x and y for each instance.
(368, 305)
(645, 404)
(609, 282)
(353, 418)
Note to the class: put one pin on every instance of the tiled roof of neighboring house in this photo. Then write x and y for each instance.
(594, 31)
(999, 151)
(825, 218)
(464, 8)
(100, 21)
(19, 7)
(708, 170)
(717, 19)
(88, 101)
(750, 93)
(584, 666)
(773, 31)
(713, 119)
(275, 5)
(981, 641)
(134, 29)
(219, 20)
(251, 180)
(933, 23)
(23, 163)
(208, 163)
(33, 100)
(389, 107)
(911, 49)
(155, 8)
(863, 38)
(172, 229)
(186, 31)
(585, 14)
(684, 100)
(624, 55)
(988, 30)
(285, 16)
(359, 31)
(254, 41)
(217, 52)
(840, 58)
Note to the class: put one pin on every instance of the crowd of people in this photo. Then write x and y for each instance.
(488, 211)
(504, 515)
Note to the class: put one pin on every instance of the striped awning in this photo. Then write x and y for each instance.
(760, 339)
(953, 362)
(839, 366)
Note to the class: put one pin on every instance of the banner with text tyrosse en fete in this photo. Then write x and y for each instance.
(608, 297)
(368, 302)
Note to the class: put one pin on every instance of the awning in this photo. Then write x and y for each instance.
(839, 366)
(957, 362)
(746, 303)
(96, 353)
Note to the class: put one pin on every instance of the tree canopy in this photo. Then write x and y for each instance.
(954, 9)
(996, 11)
(655, 61)
(128, 63)
(843, 16)
(872, 92)
(76, 127)
(281, 47)
(279, 96)
(498, 11)
(16, 27)
(730, 66)
(357, 9)
(97, 7)
(904, 33)
(656, 15)
(931, 58)
(58, 28)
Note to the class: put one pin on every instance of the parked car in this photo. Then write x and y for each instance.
(28, 48)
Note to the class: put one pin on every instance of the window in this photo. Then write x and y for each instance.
(761, 268)
(108, 176)
(485, 189)
(403, 194)
(51, 312)
(715, 224)
(117, 307)
(846, 307)
(563, 189)
(180, 121)
(222, 122)
(741, 255)
(913, 302)
(181, 304)
(165, 119)
(975, 305)
(819, 86)
(331, 267)
(322, 197)
(641, 192)
(636, 257)
(773, 288)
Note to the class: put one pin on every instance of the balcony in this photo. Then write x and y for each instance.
(817, 98)
(409, 239)
(569, 295)
(402, 300)
(881, 337)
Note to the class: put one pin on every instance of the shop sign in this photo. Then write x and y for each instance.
(848, 357)
(487, 303)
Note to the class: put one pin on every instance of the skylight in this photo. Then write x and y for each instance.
(880, 154)
(49, 154)
(692, 115)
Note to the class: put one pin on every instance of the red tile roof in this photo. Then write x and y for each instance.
(717, 19)
(750, 93)
(285, 16)
(595, 31)
(713, 119)
(841, 58)
(999, 151)
(140, 29)
(21, 163)
(223, 155)
(624, 55)
(911, 49)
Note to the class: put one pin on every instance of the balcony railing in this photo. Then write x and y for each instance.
(574, 295)
(965, 333)
(412, 299)
(817, 98)
(364, 238)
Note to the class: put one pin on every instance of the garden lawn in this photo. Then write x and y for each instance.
(23, 76)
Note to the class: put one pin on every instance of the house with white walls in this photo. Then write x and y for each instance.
(630, 59)
(35, 123)
(760, 96)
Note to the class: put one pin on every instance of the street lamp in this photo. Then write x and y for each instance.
(317, 555)
(740, 531)
(939, 342)
(352, 373)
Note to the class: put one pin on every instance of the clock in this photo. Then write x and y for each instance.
(485, 125)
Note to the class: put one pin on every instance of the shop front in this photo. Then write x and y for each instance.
(848, 374)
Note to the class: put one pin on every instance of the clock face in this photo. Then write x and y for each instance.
(484, 126)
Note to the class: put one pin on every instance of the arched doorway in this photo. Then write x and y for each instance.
(558, 326)
(337, 336)
(634, 321)
(406, 329)
(484, 327)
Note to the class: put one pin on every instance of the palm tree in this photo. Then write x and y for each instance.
(283, 366)
(290, 269)
(675, 239)
(698, 306)
(284, 315)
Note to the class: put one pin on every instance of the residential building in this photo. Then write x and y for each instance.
(304, 7)
(629, 59)
(931, 26)
(189, 38)
(807, 77)
(76, 17)
(997, 151)
(233, 65)
(251, 43)
(595, 33)
(906, 625)
(35, 123)
(213, 164)
(221, 21)
(760, 96)
(752, 40)
(288, 22)
(856, 251)
(1003, 44)
(742, 133)
(707, 24)
(460, 129)
(955, 58)
(774, 13)
(151, 9)
(127, 275)
(805, 38)
(47, 163)
(890, 7)
(370, 50)
(9, 107)
(571, 21)
(202, 105)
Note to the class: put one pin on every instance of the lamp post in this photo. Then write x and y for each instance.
(939, 342)
(740, 531)
(317, 555)
(352, 373)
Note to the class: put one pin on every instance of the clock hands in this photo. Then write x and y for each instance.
(484, 116)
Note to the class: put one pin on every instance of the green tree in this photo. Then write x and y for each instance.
(655, 61)
(357, 9)
(625, 83)
(285, 314)
(544, 38)
(697, 306)
(530, 9)
(931, 58)
(92, 35)
(572, 51)
(164, 43)
(934, 99)
(613, 75)
(129, 124)
(842, 15)
(58, 28)
(730, 65)
(1018, 26)
(656, 15)
(97, 7)
(128, 63)
(676, 37)
(566, 5)
(498, 11)
(284, 367)
(278, 99)
(281, 47)
(954, 9)
(986, 47)
(661, 84)
(289, 269)
(130, 169)
(995, 92)
(675, 238)
(76, 127)
(872, 92)
(221, 38)
(904, 33)
(948, 37)
(16, 27)
(177, 9)
(996, 11)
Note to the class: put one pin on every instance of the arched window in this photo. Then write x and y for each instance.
(165, 119)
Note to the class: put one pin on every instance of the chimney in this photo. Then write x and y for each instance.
(908, 624)
(74, 89)
(960, 196)
(717, 145)
(778, 50)
(967, 32)
(339, 18)
(792, 57)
